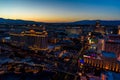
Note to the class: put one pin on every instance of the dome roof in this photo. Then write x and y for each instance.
(32, 31)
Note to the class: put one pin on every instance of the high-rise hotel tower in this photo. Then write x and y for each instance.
(31, 39)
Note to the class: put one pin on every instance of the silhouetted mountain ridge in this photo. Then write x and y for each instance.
(82, 22)
(17, 21)
(102, 22)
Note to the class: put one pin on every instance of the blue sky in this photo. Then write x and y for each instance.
(60, 10)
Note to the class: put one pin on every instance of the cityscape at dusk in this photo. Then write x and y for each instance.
(59, 39)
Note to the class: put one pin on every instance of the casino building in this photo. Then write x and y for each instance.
(112, 44)
(31, 39)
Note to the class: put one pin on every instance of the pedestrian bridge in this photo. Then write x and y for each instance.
(103, 64)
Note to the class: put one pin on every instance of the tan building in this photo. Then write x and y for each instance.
(32, 39)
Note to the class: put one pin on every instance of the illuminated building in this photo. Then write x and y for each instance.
(32, 39)
(118, 58)
(87, 28)
(100, 45)
(73, 30)
(99, 28)
(103, 77)
(119, 29)
(112, 44)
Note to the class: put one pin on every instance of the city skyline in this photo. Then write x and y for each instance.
(60, 10)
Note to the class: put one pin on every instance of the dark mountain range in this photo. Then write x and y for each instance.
(17, 21)
(102, 22)
(83, 22)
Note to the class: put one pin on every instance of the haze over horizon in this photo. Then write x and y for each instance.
(60, 10)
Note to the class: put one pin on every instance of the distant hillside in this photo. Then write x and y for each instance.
(17, 22)
(102, 22)
(83, 22)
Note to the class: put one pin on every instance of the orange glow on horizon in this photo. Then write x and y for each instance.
(46, 18)
(43, 17)
(51, 20)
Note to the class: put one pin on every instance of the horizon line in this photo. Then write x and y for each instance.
(64, 21)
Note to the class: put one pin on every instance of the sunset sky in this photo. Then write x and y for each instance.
(60, 10)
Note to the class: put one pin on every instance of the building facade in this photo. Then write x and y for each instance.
(112, 44)
(31, 39)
